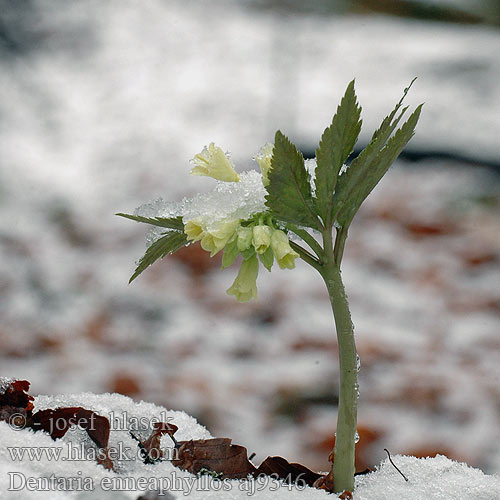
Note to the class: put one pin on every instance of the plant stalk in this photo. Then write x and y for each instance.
(343, 467)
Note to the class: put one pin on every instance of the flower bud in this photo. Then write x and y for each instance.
(244, 287)
(285, 255)
(194, 229)
(244, 238)
(264, 158)
(213, 162)
(261, 238)
(215, 239)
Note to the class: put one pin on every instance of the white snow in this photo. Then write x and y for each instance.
(79, 477)
(228, 200)
(4, 384)
(436, 478)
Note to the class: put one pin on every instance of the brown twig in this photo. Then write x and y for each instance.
(394, 465)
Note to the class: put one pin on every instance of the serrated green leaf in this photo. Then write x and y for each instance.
(337, 143)
(231, 251)
(267, 258)
(165, 245)
(353, 179)
(355, 175)
(168, 222)
(386, 122)
(376, 168)
(289, 189)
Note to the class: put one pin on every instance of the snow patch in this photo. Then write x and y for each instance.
(436, 478)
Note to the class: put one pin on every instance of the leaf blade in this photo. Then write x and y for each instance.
(167, 222)
(289, 189)
(165, 245)
(267, 258)
(336, 144)
(379, 166)
(231, 251)
(352, 179)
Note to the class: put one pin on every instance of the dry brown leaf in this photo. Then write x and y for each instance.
(15, 402)
(150, 449)
(346, 495)
(58, 421)
(289, 472)
(217, 455)
(14, 395)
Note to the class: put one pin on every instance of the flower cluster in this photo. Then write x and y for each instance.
(256, 238)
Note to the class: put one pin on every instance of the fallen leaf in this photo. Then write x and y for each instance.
(58, 421)
(15, 404)
(150, 449)
(217, 455)
(14, 395)
(16, 407)
(289, 472)
(324, 482)
(346, 495)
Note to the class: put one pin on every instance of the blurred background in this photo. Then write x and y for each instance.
(102, 106)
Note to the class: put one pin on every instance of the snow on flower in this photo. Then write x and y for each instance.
(233, 217)
(264, 158)
(213, 162)
(235, 200)
(244, 235)
(214, 240)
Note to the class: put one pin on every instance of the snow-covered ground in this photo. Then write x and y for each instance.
(64, 470)
(102, 113)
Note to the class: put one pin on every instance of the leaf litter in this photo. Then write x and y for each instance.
(210, 463)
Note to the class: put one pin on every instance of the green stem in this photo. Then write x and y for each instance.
(338, 251)
(308, 238)
(343, 466)
(306, 256)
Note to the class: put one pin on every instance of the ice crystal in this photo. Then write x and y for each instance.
(234, 200)
(4, 384)
(237, 200)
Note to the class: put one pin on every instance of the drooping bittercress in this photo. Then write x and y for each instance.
(252, 215)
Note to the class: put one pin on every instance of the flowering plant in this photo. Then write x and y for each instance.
(254, 214)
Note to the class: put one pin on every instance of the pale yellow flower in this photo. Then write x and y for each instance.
(264, 158)
(244, 238)
(244, 287)
(194, 229)
(213, 162)
(261, 238)
(214, 240)
(283, 252)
